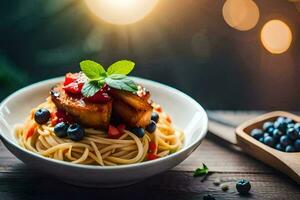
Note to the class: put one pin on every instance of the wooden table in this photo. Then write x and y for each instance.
(225, 161)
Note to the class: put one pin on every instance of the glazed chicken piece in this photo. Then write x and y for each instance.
(134, 109)
(89, 114)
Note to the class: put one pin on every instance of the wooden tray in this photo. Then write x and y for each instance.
(288, 163)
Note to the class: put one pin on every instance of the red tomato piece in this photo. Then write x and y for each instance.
(159, 109)
(151, 156)
(62, 116)
(70, 78)
(31, 131)
(113, 132)
(99, 97)
(121, 128)
(74, 88)
(54, 119)
(152, 147)
(169, 119)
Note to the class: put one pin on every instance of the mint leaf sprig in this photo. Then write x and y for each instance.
(115, 76)
(201, 171)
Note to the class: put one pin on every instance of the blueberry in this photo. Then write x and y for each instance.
(289, 148)
(297, 127)
(269, 141)
(291, 132)
(279, 147)
(140, 132)
(268, 126)
(261, 139)
(42, 116)
(151, 127)
(284, 141)
(297, 144)
(243, 186)
(155, 117)
(277, 134)
(75, 132)
(289, 121)
(256, 133)
(266, 134)
(281, 125)
(270, 131)
(280, 119)
(290, 125)
(61, 129)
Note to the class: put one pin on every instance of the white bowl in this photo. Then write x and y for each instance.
(185, 112)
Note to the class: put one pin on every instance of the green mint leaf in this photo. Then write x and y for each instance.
(90, 89)
(117, 76)
(92, 69)
(201, 171)
(121, 82)
(121, 67)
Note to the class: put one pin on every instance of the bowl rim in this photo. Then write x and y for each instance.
(194, 143)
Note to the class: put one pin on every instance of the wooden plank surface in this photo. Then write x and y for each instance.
(225, 161)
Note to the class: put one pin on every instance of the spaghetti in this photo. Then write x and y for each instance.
(96, 148)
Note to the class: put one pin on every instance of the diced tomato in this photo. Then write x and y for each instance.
(121, 128)
(70, 78)
(169, 119)
(105, 88)
(152, 147)
(74, 88)
(62, 116)
(54, 119)
(31, 131)
(99, 97)
(151, 156)
(159, 109)
(113, 132)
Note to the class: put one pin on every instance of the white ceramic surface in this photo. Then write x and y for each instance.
(185, 112)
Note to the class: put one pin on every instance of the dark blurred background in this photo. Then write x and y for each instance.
(183, 43)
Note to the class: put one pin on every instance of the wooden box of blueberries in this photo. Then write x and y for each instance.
(273, 138)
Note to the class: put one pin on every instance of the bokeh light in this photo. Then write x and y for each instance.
(121, 11)
(242, 15)
(276, 36)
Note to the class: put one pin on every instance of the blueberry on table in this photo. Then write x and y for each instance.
(279, 147)
(269, 141)
(284, 141)
(261, 139)
(291, 132)
(297, 144)
(268, 126)
(139, 132)
(289, 148)
(75, 132)
(61, 129)
(243, 186)
(256, 133)
(154, 117)
(151, 126)
(42, 116)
